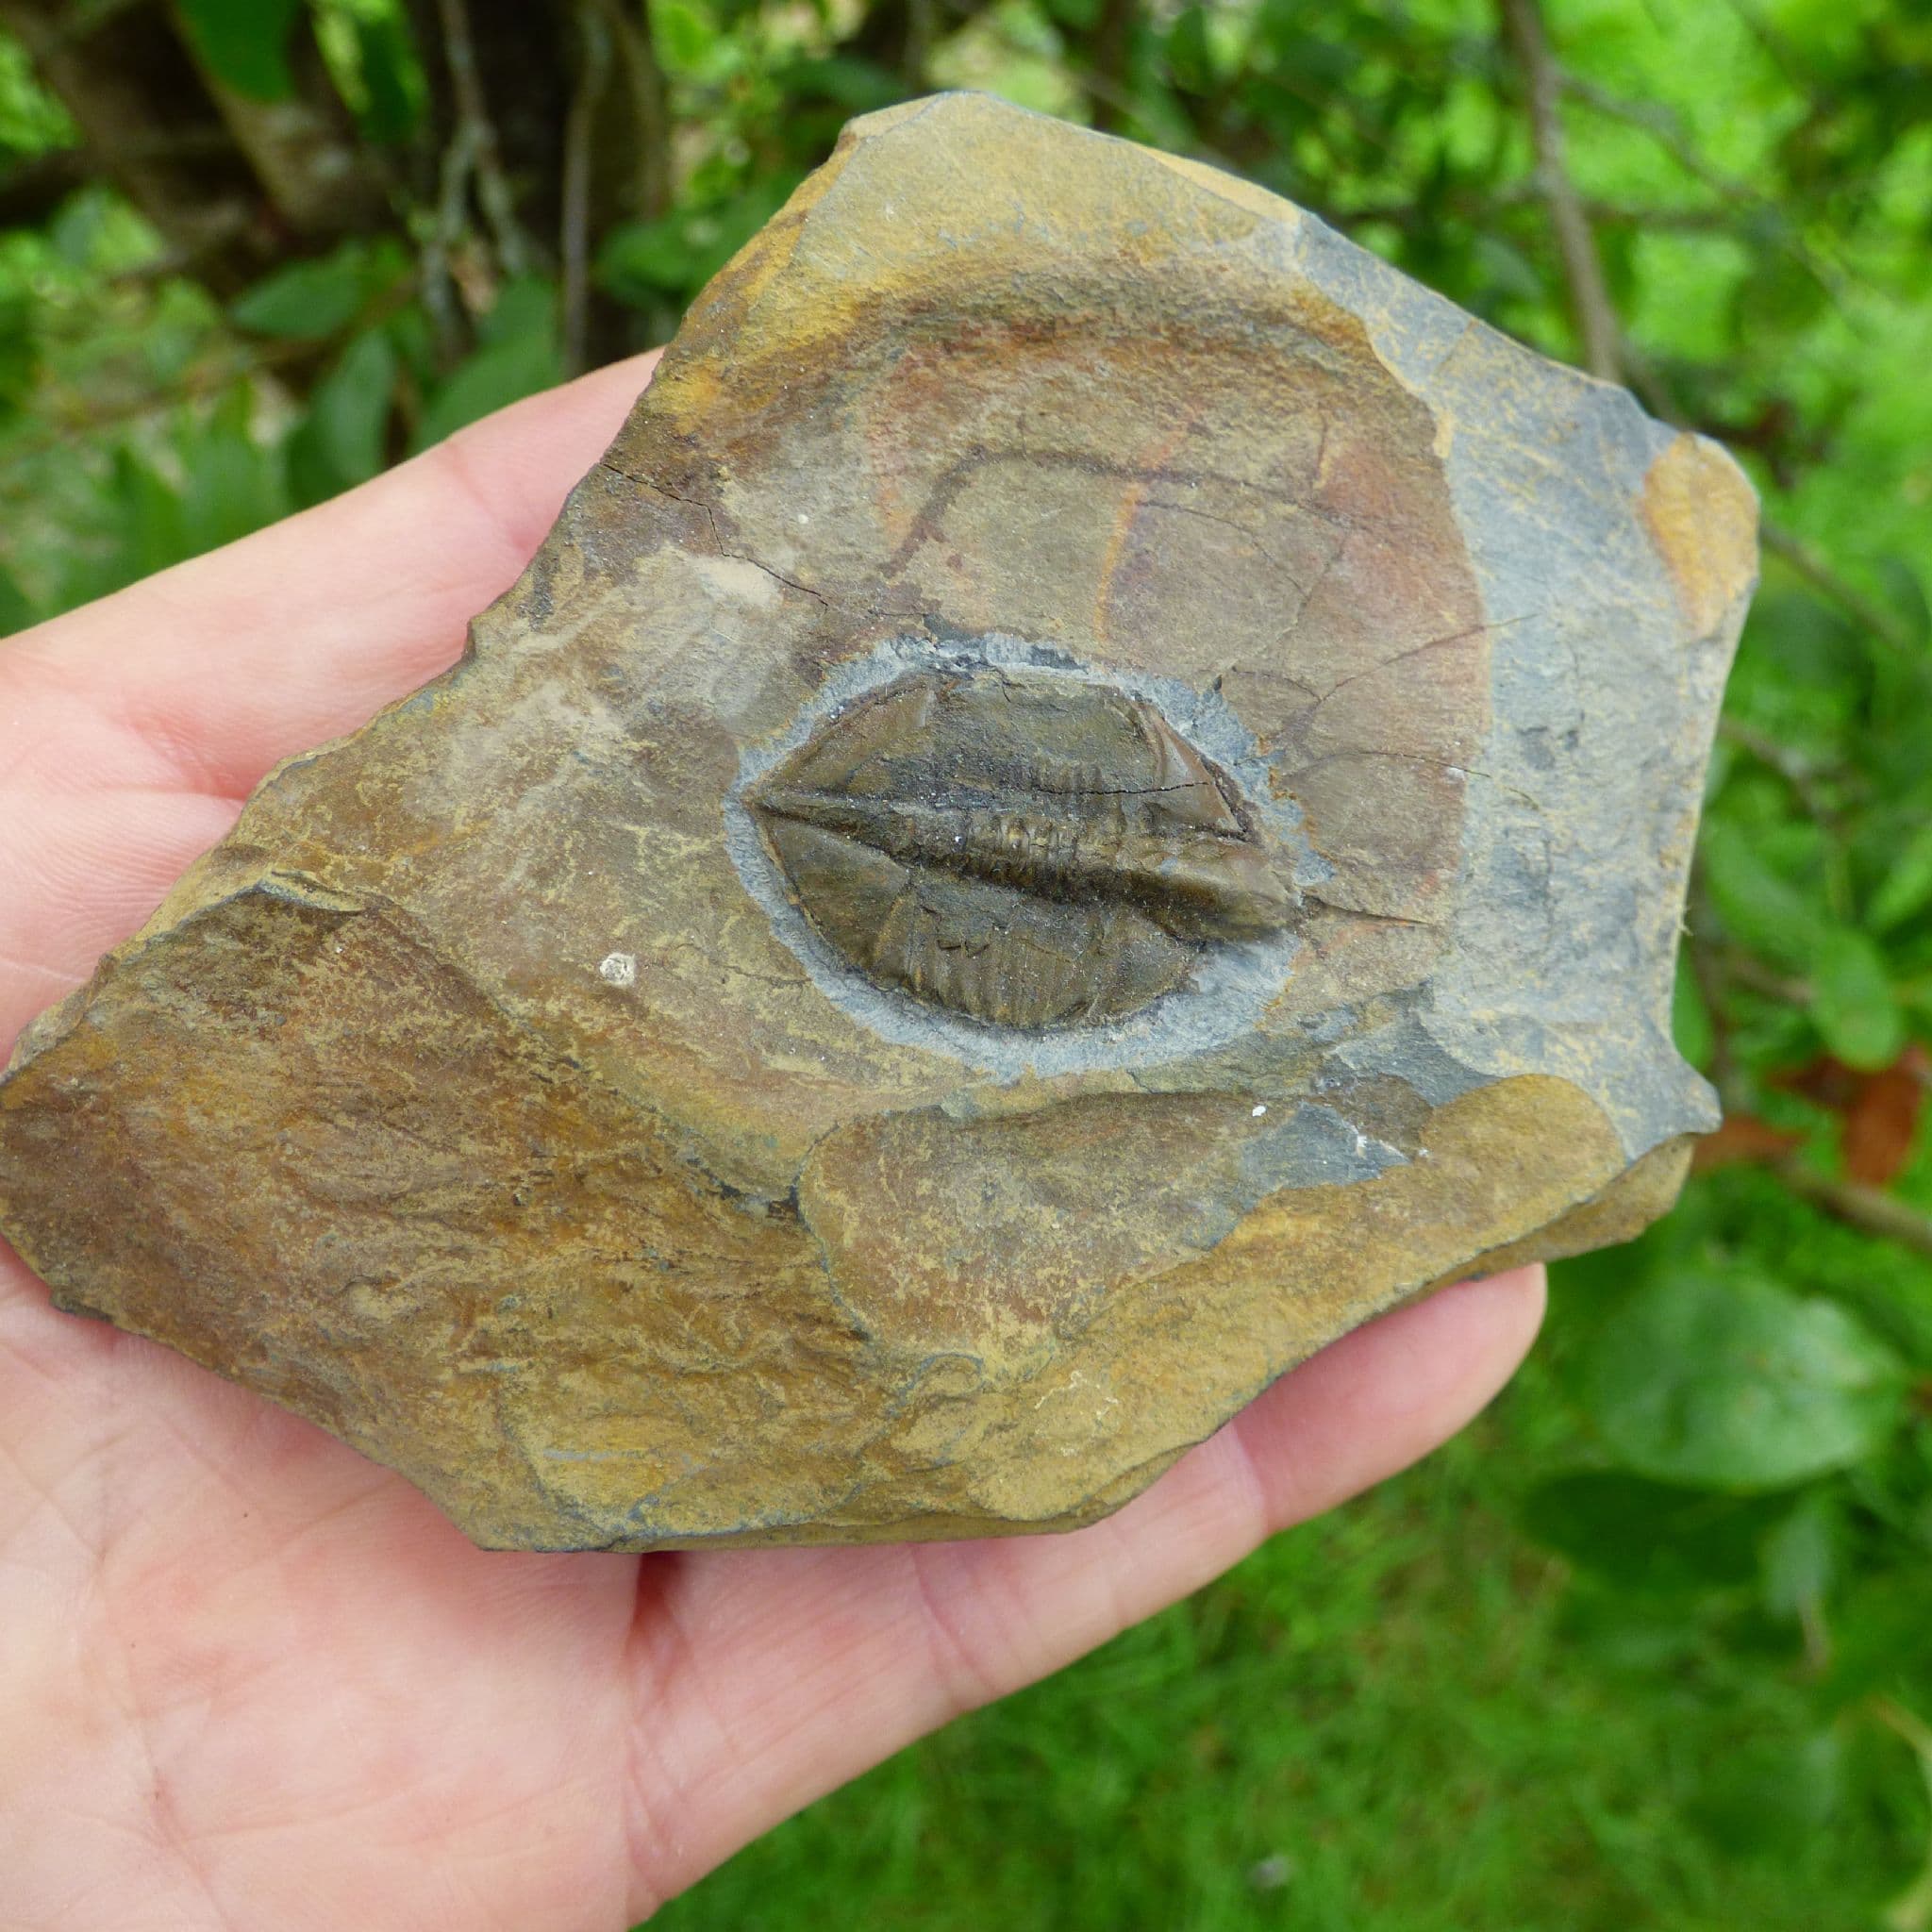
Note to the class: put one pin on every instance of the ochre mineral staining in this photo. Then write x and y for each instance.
(1026, 848)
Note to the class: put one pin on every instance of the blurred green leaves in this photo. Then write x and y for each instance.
(1639, 1534)
(211, 481)
(517, 355)
(1905, 891)
(1762, 903)
(1852, 999)
(1735, 1382)
(1756, 1804)
(316, 300)
(19, 353)
(344, 440)
(376, 64)
(678, 253)
(244, 43)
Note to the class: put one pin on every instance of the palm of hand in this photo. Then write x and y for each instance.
(249, 1679)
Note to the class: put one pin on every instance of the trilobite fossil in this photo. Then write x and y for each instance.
(1027, 848)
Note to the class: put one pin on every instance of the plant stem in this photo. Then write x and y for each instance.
(1583, 269)
(1812, 565)
(574, 222)
(476, 133)
(1870, 1210)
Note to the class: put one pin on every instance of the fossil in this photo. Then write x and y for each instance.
(1027, 849)
(655, 1086)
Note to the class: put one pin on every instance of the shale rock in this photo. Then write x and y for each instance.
(1096, 789)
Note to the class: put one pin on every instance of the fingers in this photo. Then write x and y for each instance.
(227, 664)
(762, 1681)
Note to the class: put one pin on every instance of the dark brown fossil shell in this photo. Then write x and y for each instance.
(1026, 848)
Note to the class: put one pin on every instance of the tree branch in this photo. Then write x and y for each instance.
(650, 101)
(1664, 128)
(320, 180)
(440, 298)
(1667, 129)
(579, 130)
(476, 132)
(65, 427)
(32, 191)
(1748, 971)
(1812, 565)
(1583, 271)
(1870, 1210)
(1793, 767)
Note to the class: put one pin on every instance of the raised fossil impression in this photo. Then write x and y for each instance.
(1096, 789)
(1026, 849)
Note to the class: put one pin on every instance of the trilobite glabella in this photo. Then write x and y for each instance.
(1027, 848)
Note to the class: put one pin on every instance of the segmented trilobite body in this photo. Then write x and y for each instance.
(1030, 849)
(1052, 777)
(1027, 849)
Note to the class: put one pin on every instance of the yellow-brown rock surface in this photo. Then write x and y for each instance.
(640, 1126)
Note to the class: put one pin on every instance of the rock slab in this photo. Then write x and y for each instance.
(1096, 789)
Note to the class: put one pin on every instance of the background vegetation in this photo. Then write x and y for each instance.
(1653, 1645)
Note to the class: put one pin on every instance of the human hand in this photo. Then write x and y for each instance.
(248, 1678)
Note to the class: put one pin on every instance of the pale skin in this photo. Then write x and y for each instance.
(249, 1679)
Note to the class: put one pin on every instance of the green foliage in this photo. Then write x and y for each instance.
(677, 255)
(210, 482)
(1637, 1533)
(1762, 895)
(244, 43)
(517, 355)
(1852, 1003)
(376, 64)
(1770, 1795)
(1732, 1383)
(316, 300)
(1651, 1648)
(1906, 886)
(32, 121)
(343, 441)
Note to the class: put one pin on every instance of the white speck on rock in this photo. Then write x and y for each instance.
(1260, 1110)
(619, 969)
